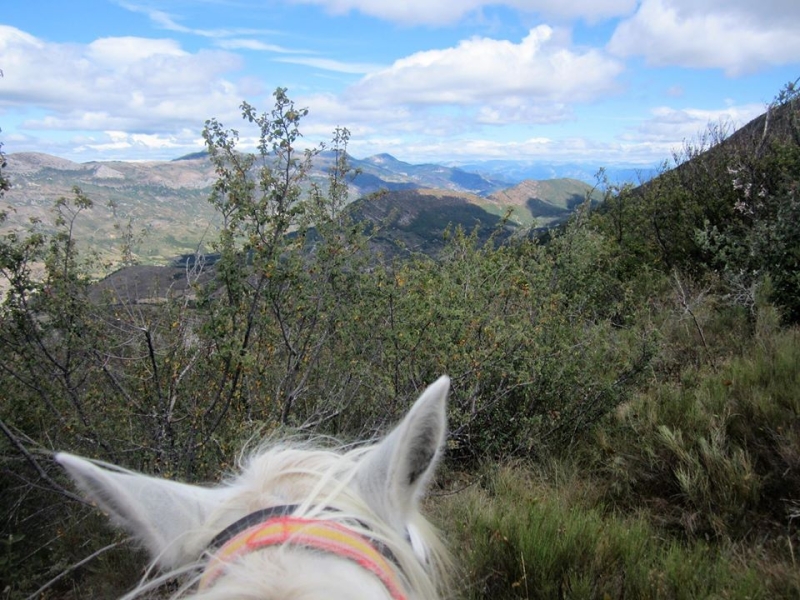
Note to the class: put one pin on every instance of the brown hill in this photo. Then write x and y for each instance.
(544, 202)
(165, 200)
(416, 220)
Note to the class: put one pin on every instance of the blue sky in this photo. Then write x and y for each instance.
(611, 82)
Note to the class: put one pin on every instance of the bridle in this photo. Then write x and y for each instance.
(276, 526)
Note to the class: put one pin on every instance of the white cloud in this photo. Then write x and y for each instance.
(647, 144)
(11, 37)
(763, 12)
(166, 21)
(136, 84)
(546, 149)
(123, 51)
(671, 126)
(327, 64)
(517, 110)
(439, 12)
(249, 44)
(142, 144)
(738, 37)
(675, 91)
(540, 69)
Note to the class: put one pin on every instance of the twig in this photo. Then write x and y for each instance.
(68, 570)
(524, 574)
(35, 464)
(455, 491)
(682, 298)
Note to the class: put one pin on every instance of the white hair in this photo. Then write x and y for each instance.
(374, 490)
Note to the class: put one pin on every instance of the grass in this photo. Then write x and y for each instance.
(717, 452)
(525, 535)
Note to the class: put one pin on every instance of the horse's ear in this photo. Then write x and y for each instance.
(161, 514)
(396, 472)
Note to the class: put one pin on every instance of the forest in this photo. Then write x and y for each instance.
(625, 406)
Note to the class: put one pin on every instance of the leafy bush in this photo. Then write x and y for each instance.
(524, 330)
(761, 241)
(728, 207)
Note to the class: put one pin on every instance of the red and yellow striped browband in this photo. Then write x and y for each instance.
(325, 536)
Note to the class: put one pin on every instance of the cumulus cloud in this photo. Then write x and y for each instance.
(130, 83)
(538, 148)
(460, 91)
(440, 12)
(110, 142)
(124, 51)
(738, 37)
(540, 69)
(378, 120)
(436, 136)
(669, 125)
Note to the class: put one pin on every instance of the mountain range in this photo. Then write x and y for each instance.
(165, 206)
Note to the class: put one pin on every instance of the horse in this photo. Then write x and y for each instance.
(296, 523)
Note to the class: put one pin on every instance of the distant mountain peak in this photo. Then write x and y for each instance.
(382, 159)
(201, 154)
(28, 162)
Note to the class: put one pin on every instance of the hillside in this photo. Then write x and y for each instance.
(389, 169)
(398, 223)
(416, 220)
(544, 202)
(167, 201)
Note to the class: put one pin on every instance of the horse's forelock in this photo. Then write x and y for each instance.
(372, 490)
(316, 481)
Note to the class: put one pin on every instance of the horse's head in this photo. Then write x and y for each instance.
(297, 522)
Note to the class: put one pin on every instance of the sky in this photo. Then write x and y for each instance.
(609, 82)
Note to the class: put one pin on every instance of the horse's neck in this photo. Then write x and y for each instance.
(295, 574)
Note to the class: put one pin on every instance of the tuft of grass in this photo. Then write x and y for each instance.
(521, 535)
(717, 453)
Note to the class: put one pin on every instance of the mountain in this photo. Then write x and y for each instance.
(432, 176)
(398, 223)
(543, 202)
(405, 221)
(166, 202)
(167, 199)
(515, 171)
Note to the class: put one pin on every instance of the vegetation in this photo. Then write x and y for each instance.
(625, 411)
(4, 182)
(728, 207)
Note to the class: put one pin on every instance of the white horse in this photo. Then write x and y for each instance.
(297, 523)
